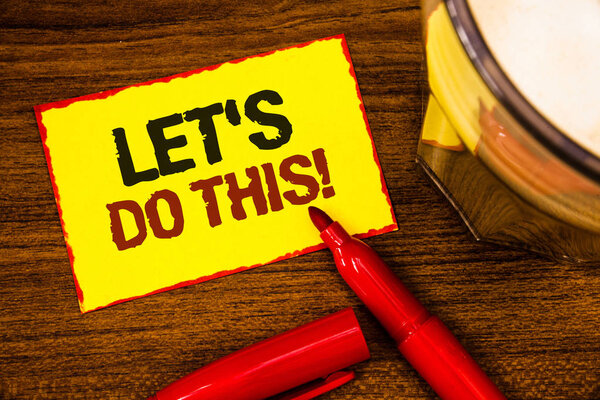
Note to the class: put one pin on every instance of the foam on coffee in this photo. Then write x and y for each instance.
(550, 49)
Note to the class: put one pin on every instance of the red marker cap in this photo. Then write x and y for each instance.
(316, 352)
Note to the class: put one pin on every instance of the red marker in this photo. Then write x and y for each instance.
(423, 339)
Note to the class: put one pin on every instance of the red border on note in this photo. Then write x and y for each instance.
(105, 94)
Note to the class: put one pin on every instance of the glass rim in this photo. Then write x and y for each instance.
(561, 145)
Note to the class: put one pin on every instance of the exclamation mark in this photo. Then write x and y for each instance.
(323, 170)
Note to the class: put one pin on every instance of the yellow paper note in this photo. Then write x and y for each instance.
(210, 172)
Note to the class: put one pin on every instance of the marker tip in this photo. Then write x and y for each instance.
(319, 218)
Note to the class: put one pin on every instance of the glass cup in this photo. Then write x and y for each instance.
(514, 178)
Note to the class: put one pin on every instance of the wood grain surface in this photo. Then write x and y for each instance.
(533, 324)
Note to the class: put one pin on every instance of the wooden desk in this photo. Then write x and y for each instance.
(533, 324)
